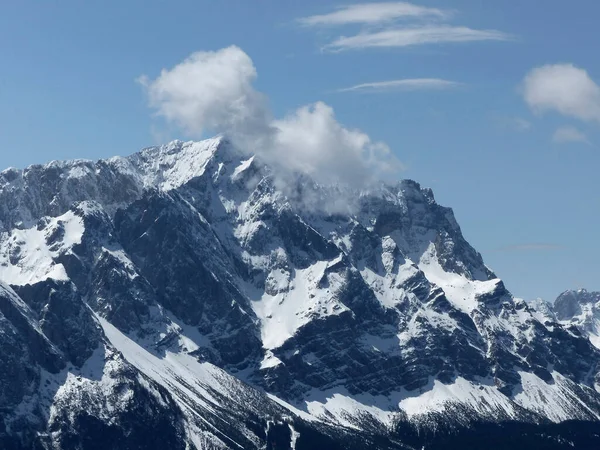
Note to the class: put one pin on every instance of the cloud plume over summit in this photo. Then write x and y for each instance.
(213, 92)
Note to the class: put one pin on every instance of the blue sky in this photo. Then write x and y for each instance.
(516, 158)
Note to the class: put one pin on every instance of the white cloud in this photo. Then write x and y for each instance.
(373, 13)
(408, 84)
(314, 143)
(210, 92)
(213, 91)
(569, 134)
(404, 37)
(563, 88)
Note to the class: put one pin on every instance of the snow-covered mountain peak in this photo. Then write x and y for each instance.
(172, 165)
(189, 279)
(543, 311)
(580, 308)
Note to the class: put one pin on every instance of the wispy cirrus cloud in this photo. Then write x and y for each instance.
(374, 13)
(404, 37)
(407, 84)
(512, 123)
(396, 24)
(521, 124)
(530, 247)
(569, 134)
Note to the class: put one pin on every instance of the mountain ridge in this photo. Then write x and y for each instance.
(225, 302)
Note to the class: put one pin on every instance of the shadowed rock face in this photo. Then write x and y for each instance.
(154, 301)
(63, 318)
(577, 310)
(569, 304)
(18, 372)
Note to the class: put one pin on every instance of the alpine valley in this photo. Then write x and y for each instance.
(185, 298)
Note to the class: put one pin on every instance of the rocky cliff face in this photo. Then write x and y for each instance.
(578, 309)
(182, 297)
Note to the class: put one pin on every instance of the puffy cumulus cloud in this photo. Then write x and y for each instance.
(213, 91)
(562, 88)
(567, 134)
(312, 141)
(210, 92)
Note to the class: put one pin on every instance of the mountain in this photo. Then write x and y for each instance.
(191, 296)
(578, 309)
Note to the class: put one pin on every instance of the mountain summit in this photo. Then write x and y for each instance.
(186, 297)
(574, 308)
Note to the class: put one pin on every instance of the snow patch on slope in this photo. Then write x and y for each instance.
(415, 326)
(542, 312)
(588, 322)
(387, 287)
(550, 400)
(295, 304)
(241, 168)
(339, 406)
(178, 370)
(190, 382)
(553, 401)
(483, 398)
(28, 256)
(459, 290)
